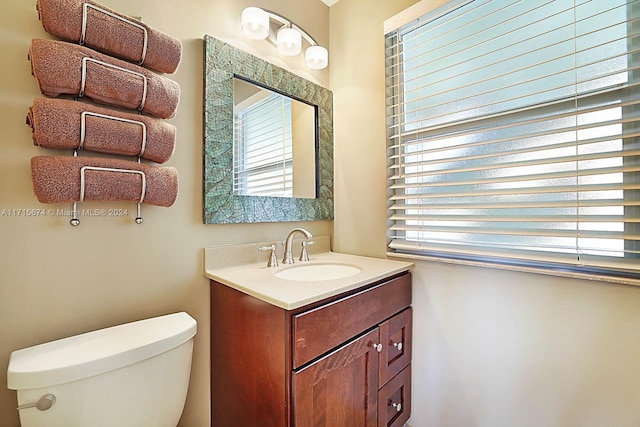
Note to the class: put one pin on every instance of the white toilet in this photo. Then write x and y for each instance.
(131, 375)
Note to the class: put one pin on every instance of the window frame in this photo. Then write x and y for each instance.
(423, 10)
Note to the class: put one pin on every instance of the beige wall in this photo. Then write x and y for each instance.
(56, 280)
(491, 348)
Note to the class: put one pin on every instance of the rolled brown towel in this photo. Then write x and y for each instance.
(58, 68)
(106, 33)
(57, 179)
(57, 124)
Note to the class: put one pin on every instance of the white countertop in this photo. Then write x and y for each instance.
(260, 281)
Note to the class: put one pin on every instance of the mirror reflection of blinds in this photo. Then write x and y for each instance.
(513, 133)
(263, 148)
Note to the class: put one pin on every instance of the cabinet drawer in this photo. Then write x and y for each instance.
(317, 331)
(395, 337)
(394, 400)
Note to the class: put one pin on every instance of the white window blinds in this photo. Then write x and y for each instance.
(263, 150)
(513, 133)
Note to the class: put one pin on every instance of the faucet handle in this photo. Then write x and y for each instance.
(304, 255)
(273, 260)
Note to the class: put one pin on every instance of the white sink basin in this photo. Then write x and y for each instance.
(318, 272)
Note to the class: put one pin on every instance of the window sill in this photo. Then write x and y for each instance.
(521, 268)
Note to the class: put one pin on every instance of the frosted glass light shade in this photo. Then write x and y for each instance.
(289, 42)
(316, 57)
(255, 23)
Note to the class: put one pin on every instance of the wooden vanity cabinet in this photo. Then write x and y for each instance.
(340, 362)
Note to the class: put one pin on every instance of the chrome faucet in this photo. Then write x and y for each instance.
(288, 251)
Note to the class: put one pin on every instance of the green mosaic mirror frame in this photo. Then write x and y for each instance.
(221, 63)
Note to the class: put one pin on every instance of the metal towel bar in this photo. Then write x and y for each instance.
(83, 83)
(85, 16)
(75, 220)
(83, 124)
(97, 168)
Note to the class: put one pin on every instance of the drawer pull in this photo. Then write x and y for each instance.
(398, 345)
(398, 406)
(377, 347)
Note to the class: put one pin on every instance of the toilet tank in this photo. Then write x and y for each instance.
(130, 375)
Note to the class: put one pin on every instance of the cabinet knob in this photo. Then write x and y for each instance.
(377, 347)
(398, 406)
(398, 345)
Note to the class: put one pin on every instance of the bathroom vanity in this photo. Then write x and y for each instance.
(332, 352)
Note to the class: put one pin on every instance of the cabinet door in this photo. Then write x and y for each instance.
(395, 336)
(340, 389)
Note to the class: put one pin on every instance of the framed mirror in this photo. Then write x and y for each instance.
(228, 71)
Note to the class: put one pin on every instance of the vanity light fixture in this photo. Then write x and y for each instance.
(259, 24)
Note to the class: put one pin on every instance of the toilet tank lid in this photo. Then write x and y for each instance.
(93, 353)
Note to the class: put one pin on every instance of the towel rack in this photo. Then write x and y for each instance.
(75, 220)
(85, 16)
(83, 82)
(92, 15)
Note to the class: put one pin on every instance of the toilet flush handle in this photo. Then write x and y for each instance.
(43, 404)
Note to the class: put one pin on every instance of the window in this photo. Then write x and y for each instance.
(513, 134)
(263, 151)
